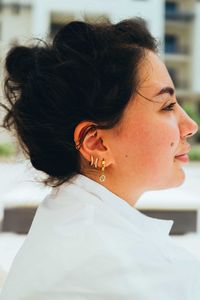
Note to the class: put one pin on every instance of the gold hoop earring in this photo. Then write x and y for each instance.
(91, 160)
(102, 177)
(96, 162)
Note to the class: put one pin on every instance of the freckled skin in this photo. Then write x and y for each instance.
(145, 143)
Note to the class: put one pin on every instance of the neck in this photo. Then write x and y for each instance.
(124, 189)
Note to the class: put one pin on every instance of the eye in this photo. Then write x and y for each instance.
(169, 107)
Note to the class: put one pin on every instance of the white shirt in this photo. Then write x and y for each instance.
(87, 243)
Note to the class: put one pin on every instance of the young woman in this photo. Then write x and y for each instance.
(96, 111)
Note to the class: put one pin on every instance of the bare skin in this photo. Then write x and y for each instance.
(141, 152)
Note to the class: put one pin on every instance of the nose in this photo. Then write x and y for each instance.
(188, 127)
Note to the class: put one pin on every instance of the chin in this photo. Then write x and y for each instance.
(177, 180)
(173, 181)
(181, 181)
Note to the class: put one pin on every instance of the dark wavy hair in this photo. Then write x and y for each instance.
(88, 72)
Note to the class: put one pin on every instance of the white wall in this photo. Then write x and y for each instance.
(14, 27)
(151, 10)
(196, 51)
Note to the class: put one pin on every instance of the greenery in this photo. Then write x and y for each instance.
(191, 109)
(194, 154)
(7, 149)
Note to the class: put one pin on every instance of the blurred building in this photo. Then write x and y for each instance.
(21, 20)
(174, 23)
(15, 23)
(182, 42)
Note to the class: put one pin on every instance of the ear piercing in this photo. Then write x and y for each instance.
(102, 177)
(92, 162)
(96, 163)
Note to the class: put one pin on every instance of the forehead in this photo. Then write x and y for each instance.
(153, 74)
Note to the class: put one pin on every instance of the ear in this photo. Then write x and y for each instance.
(94, 142)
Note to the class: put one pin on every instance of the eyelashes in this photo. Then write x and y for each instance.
(169, 107)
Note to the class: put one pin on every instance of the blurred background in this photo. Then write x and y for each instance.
(176, 25)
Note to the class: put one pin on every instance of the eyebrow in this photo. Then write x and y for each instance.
(168, 89)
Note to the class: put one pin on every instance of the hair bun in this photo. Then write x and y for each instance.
(19, 63)
(76, 36)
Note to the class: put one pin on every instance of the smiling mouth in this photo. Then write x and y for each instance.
(183, 158)
(183, 155)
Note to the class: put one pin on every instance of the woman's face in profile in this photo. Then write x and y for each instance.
(152, 133)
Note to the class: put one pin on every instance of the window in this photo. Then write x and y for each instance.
(15, 8)
(173, 75)
(171, 43)
(171, 7)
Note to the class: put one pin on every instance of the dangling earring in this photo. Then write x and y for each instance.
(102, 177)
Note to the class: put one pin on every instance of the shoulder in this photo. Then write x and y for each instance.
(76, 242)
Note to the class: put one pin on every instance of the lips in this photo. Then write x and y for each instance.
(183, 156)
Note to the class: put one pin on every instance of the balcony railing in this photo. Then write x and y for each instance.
(179, 15)
(176, 49)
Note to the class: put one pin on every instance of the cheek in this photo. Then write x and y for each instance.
(152, 144)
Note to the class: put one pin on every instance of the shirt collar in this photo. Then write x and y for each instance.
(145, 223)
